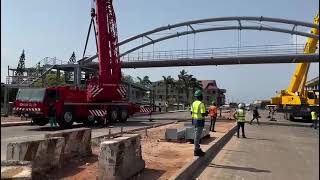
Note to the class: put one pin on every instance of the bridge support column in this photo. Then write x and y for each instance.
(77, 76)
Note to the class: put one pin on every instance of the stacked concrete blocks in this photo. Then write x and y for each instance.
(120, 158)
(44, 153)
(187, 132)
(77, 142)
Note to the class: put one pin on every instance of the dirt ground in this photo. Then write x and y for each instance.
(162, 158)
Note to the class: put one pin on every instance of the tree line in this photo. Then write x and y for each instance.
(184, 84)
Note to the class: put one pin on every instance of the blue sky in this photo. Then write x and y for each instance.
(57, 28)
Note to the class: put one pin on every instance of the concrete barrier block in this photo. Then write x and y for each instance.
(44, 153)
(120, 158)
(16, 170)
(77, 141)
(190, 132)
(175, 134)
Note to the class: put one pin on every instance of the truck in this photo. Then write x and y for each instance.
(295, 101)
(104, 96)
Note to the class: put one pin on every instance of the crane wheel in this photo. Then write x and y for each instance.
(89, 121)
(124, 114)
(113, 114)
(66, 119)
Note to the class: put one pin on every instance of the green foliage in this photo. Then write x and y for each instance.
(51, 80)
(167, 80)
(144, 81)
(127, 78)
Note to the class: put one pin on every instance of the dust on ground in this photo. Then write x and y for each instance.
(163, 159)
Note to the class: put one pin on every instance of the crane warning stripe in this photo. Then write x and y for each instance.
(98, 112)
(145, 109)
(97, 92)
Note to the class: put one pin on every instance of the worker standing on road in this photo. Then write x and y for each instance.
(198, 112)
(52, 116)
(255, 115)
(314, 118)
(240, 115)
(213, 115)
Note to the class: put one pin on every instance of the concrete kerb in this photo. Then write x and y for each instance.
(9, 124)
(188, 171)
(286, 124)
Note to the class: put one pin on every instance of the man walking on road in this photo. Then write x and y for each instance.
(314, 118)
(198, 112)
(52, 116)
(240, 115)
(213, 115)
(255, 115)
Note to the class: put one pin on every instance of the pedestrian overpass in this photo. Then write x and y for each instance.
(288, 53)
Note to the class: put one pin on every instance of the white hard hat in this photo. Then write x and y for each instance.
(240, 106)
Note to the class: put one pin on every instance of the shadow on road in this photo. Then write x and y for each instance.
(150, 174)
(249, 169)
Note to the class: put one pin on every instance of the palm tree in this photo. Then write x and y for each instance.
(167, 80)
(145, 81)
(195, 84)
(127, 78)
(179, 87)
(185, 78)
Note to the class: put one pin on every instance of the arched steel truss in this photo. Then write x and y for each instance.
(239, 19)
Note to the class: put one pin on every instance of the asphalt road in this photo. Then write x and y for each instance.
(269, 152)
(9, 134)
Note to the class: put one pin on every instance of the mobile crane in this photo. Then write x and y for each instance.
(296, 101)
(104, 96)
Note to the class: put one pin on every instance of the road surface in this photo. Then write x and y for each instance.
(269, 152)
(9, 134)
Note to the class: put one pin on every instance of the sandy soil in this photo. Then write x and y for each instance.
(162, 158)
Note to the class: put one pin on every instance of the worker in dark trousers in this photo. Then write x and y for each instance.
(213, 115)
(52, 116)
(198, 113)
(255, 115)
(240, 115)
(314, 119)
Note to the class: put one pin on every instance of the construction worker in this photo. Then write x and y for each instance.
(52, 116)
(255, 115)
(314, 118)
(240, 115)
(198, 112)
(213, 115)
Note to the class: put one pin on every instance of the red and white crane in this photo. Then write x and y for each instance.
(104, 96)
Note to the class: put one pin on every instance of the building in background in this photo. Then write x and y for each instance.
(211, 92)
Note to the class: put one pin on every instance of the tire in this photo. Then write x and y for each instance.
(40, 121)
(113, 114)
(90, 121)
(124, 114)
(66, 119)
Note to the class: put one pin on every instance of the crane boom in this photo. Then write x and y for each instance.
(296, 100)
(106, 87)
(302, 68)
